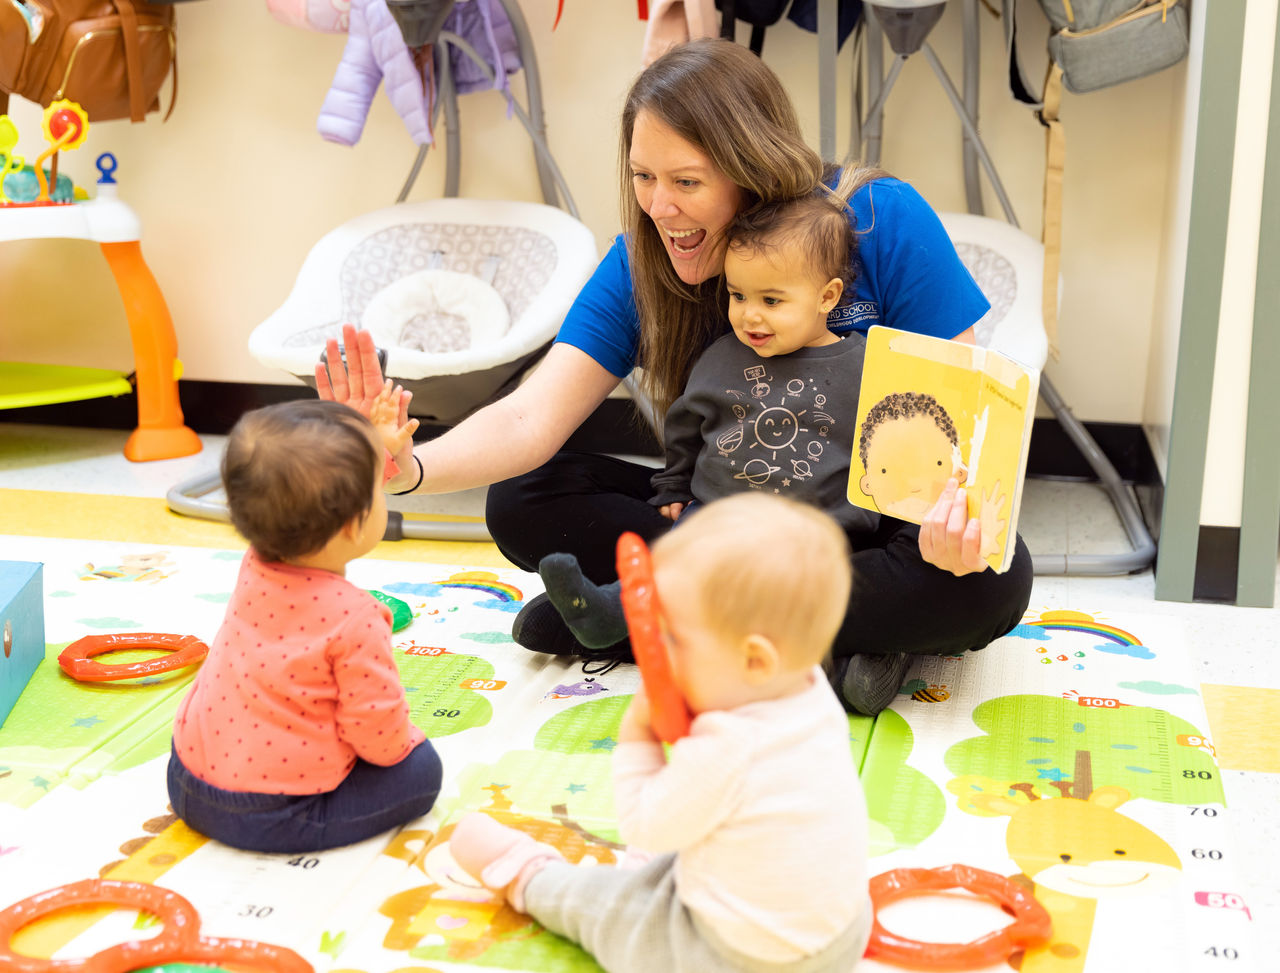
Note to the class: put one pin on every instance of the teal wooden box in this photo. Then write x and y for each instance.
(22, 621)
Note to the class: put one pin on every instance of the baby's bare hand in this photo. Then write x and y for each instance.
(385, 404)
(637, 725)
(389, 414)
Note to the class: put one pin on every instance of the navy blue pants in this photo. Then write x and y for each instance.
(580, 502)
(370, 800)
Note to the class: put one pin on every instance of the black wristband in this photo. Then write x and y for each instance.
(421, 473)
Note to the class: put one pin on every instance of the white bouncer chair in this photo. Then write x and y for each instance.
(1008, 265)
(463, 296)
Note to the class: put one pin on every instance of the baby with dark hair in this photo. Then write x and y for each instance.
(296, 734)
(770, 407)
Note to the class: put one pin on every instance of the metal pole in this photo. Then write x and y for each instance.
(972, 58)
(971, 131)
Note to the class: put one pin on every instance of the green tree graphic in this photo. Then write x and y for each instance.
(904, 805)
(1050, 747)
(439, 702)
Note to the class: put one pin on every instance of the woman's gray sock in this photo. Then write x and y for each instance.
(592, 612)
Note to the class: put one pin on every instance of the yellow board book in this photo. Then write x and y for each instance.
(930, 409)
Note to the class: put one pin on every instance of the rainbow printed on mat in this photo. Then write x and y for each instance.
(1072, 621)
(485, 581)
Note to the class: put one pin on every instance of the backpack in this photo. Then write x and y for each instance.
(1093, 44)
(109, 56)
(1099, 43)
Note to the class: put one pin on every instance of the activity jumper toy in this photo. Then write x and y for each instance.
(38, 204)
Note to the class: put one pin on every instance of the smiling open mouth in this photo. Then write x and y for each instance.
(686, 241)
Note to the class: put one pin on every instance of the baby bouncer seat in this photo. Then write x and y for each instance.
(462, 296)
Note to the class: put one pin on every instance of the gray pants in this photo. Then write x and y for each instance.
(632, 920)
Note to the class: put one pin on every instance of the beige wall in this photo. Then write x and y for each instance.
(1162, 362)
(236, 186)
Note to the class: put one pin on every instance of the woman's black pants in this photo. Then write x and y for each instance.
(580, 503)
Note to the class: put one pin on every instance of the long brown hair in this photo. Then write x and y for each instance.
(722, 99)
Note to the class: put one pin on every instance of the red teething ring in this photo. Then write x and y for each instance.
(243, 954)
(1031, 925)
(181, 926)
(669, 712)
(179, 941)
(77, 658)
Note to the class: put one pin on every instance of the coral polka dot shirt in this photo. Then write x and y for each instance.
(299, 682)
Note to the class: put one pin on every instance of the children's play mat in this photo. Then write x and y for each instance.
(1073, 754)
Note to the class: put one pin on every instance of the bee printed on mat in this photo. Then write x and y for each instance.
(931, 694)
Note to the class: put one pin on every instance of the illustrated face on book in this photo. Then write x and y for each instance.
(777, 303)
(909, 450)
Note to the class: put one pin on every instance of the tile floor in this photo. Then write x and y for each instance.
(1235, 647)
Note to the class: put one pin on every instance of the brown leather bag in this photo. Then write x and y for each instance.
(110, 56)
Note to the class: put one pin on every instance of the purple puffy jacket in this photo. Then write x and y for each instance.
(376, 51)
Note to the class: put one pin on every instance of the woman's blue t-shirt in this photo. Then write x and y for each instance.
(908, 277)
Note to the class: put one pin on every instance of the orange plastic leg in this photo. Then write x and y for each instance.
(161, 433)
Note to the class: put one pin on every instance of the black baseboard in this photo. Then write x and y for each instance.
(1217, 564)
(212, 408)
(615, 427)
(1054, 456)
(207, 407)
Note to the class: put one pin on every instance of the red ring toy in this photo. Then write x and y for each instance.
(179, 941)
(1031, 925)
(669, 712)
(77, 658)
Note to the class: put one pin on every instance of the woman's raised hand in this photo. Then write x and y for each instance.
(357, 381)
(949, 538)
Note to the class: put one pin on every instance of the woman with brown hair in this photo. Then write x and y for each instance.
(707, 131)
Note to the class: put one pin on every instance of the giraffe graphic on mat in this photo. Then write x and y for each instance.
(1037, 763)
(1078, 850)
